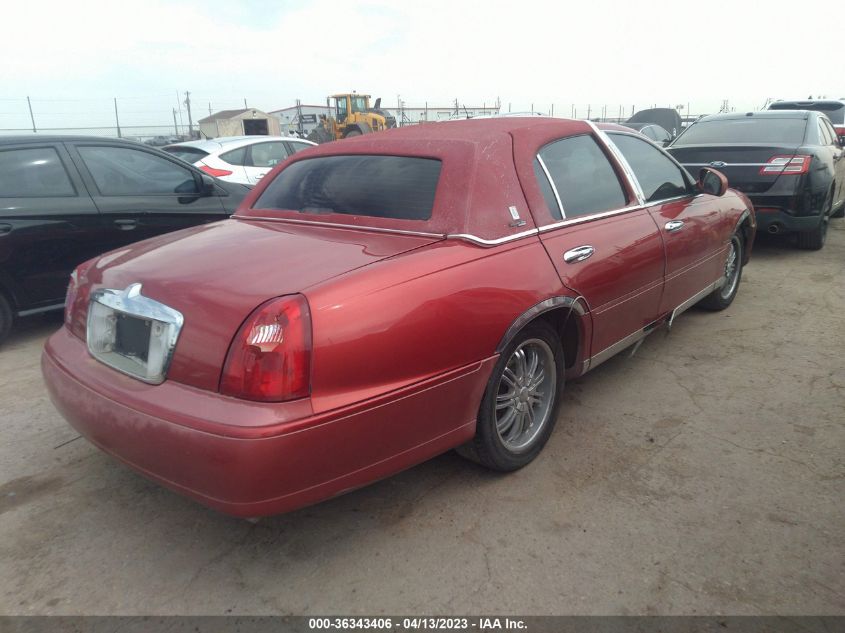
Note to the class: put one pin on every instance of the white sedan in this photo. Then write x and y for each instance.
(242, 159)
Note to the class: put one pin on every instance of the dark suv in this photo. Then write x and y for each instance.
(66, 199)
(789, 162)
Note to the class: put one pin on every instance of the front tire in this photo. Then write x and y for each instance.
(723, 296)
(520, 404)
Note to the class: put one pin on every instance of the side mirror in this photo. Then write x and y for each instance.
(713, 182)
(207, 186)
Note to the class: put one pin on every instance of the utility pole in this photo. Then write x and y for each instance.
(31, 116)
(116, 119)
(190, 121)
(246, 107)
(175, 127)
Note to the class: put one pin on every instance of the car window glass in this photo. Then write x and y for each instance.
(188, 154)
(395, 187)
(298, 147)
(824, 134)
(235, 156)
(268, 154)
(830, 130)
(745, 130)
(33, 173)
(659, 177)
(123, 171)
(649, 131)
(584, 178)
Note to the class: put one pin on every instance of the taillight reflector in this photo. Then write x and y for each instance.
(213, 171)
(269, 359)
(792, 165)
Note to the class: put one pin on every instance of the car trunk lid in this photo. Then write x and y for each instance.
(217, 274)
(740, 163)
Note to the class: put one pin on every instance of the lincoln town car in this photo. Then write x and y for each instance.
(380, 300)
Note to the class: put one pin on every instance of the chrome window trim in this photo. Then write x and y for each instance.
(725, 165)
(662, 150)
(617, 154)
(552, 184)
(587, 218)
(336, 225)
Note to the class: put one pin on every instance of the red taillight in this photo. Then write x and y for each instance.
(840, 130)
(270, 357)
(76, 301)
(793, 165)
(213, 171)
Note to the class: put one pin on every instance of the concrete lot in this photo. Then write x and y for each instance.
(703, 475)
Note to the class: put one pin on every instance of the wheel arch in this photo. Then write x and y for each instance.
(570, 319)
(745, 226)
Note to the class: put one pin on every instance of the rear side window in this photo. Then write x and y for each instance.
(396, 187)
(745, 130)
(33, 173)
(235, 156)
(188, 154)
(585, 180)
(295, 146)
(659, 177)
(123, 171)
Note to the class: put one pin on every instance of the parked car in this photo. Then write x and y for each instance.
(64, 199)
(667, 118)
(241, 159)
(833, 108)
(379, 301)
(652, 131)
(789, 162)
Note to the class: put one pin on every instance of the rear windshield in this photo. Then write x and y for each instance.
(834, 111)
(396, 187)
(747, 130)
(188, 154)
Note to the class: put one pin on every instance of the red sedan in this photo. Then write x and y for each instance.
(380, 300)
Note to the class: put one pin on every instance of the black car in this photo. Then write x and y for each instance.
(789, 162)
(651, 131)
(66, 199)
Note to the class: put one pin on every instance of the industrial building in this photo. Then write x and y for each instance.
(243, 122)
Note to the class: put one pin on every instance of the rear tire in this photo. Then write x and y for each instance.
(352, 133)
(814, 240)
(723, 296)
(7, 317)
(520, 404)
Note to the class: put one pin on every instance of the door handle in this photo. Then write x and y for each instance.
(578, 254)
(126, 225)
(674, 225)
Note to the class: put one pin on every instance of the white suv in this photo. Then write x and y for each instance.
(242, 159)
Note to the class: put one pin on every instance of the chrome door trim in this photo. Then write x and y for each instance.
(686, 305)
(480, 241)
(617, 347)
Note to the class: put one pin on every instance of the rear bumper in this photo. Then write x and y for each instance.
(773, 217)
(253, 471)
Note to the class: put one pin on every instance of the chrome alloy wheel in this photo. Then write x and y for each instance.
(525, 394)
(731, 270)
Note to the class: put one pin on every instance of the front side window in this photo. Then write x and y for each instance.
(123, 171)
(341, 109)
(583, 176)
(188, 154)
(359, 104)
(268, 154)
(33, 173)
(298, 147)
(659, 177)
(394, 187)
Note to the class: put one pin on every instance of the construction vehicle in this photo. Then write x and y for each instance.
(353, 116)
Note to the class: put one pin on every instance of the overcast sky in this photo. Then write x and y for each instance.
(73, 57)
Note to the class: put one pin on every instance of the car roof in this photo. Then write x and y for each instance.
(807, 102)
(763, 114)
(58, 138)
(232, 142)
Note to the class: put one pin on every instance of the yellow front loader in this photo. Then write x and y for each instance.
(353, 116)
